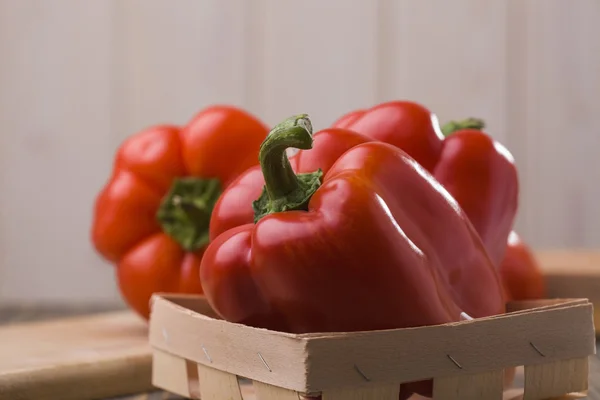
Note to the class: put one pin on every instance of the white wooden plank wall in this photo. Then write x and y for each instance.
(56, 138)
(555, 129)
(77, 77)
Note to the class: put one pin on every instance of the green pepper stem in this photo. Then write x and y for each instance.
(469, 123)
(284, 190)
(185, 212)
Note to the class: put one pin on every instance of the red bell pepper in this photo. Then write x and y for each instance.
(376, 243)
(520, 271)
(477, 170)
(151, 218)
(233, 208)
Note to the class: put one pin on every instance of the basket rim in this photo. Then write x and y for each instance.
(562, 328)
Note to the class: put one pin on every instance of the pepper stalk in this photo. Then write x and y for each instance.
(285, 190)
(469, 123)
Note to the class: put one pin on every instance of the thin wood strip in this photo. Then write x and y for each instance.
(485, 385)
(377, 392)
(264, 391)
(256, 354)
(216, 385)
(556, 378)
(454, 349)
(331, 361)
(193, 380)
(169, 372)
(520, 306)
(199, 304)
(513, 309)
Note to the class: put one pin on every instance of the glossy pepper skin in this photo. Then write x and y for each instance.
(520, 271)
(477, 170)
(151, 218)
(233, 208)
(368, 248)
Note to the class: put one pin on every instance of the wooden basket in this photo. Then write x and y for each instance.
(195, 354)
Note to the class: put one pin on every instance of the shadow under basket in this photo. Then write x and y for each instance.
(198, 355)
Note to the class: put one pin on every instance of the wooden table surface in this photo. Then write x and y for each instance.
(38, 313)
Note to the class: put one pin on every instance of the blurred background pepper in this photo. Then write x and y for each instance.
(152, 217)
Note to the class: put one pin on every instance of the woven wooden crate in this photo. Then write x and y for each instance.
(195, 354)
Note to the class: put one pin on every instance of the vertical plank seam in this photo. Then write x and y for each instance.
(380, 69)
(254, 47)
(516, 102)
(529, 29)
(116, 72)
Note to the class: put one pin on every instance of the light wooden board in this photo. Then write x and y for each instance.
(573, 273)
(571, 263)
(76, 358)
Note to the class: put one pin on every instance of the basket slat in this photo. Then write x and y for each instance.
(264, 391)
(170, 372)
(238, 349)
(379, 392)
(556, 378)
(478, 346)
(215, 384)
(486, 385)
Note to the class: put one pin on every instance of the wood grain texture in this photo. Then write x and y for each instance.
(553, 98)
(264, 391)
(79, 358)
(318, 58)
(170, 371)
(555, 379)
(380, 392)
(328, 361)
(56, 146)
(572, 273)
(174, 61)
(443, 348)
(215, 384)
(173, 331)
(486, 385)
(443, 63)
